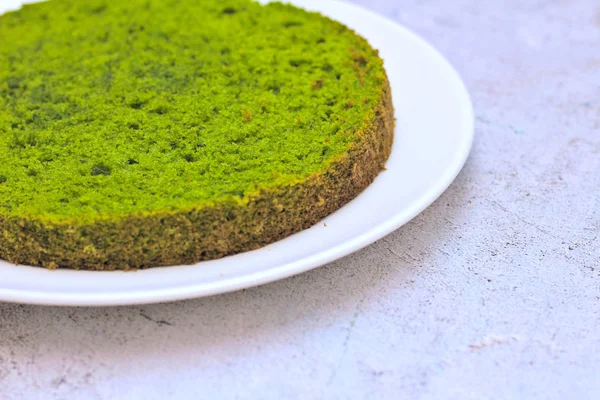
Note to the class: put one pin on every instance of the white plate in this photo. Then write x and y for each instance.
(433, 138)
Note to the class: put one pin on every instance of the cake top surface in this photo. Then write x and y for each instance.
(111, 108)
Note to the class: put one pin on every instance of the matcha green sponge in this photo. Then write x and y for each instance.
(160, 132)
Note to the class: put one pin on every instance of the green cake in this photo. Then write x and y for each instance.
(152, 132)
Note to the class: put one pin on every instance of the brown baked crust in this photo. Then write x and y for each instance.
(187, 237)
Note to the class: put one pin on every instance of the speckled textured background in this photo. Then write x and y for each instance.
(492, 293)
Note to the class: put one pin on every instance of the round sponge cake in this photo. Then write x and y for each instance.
(160, 132)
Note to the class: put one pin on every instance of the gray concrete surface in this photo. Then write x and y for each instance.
(492, 293)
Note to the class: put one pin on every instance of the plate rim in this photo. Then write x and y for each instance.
(304, 264)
